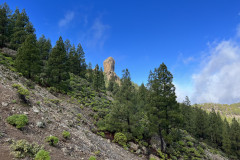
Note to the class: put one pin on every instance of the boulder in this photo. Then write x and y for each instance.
(35, 109)
(40, 124)
(138, 151)
(156, 143)
(144, 149)
(4, 104)
(133, 146)
(9, 52)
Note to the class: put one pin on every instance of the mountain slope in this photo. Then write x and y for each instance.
(58, 115)
(226, 110)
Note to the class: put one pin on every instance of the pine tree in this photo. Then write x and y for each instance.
(45, 47)
(57, 68)
(82, 63)
(28, 57)
(142, 94)
(116, 88)
(96, 78)
(89, 73)
(68, 46)
(73, 60)
(215, 127)
(121, 115)
(163, 107)
(226, 142)
(111, 83)
(235, 137)
(188, 115)
(5, 13)
(102, 81)
(187, 101)
(22, 27)
(201, 123)
(126, 90)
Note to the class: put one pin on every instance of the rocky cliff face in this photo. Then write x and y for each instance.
(109, 66)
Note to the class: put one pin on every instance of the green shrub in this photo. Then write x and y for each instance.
(23, 93)
(30, 84)
(161, 155)
(14, 101)
(92, 158)
(18, 120)
(200, 149)
(120, 138)
(42, 155)
(97, 152)
(152, 159)
(55, 101)
(66, 134)
(143, 143)
(181, 143)
(52, 89)
(22, 148)
(102, 134)
(38, 102)
(52, 140)
(21, 90)
(190, 144)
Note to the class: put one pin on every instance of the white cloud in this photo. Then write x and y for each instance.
(188, 60)
(68, 17)
(219, 79)
(97, 34)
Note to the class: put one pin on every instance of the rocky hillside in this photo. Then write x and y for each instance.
(50, 114)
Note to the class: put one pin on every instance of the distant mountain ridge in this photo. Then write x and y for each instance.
(226, 110)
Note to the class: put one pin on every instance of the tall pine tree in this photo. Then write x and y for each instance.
(163, 107)
(57, 68)
(82, 64)
(5, 14)
(28, 57)
(21, 28)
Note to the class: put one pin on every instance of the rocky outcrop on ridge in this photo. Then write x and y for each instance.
(109, 67)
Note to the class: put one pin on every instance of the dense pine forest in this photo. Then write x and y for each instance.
(134, 114)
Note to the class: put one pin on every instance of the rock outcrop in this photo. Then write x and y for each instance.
(109, 67)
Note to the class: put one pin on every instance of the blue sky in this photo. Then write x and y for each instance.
(186, 35)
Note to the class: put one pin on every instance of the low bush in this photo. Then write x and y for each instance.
(102, 134)
(190, 144)
(160, 154)
(92, 158)
(23, 93)
(55, 101)
(66, 134)
(52, 140)
(120, 138)
(22, 148)
(181, 143)
(18, 120)
(42, 155)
